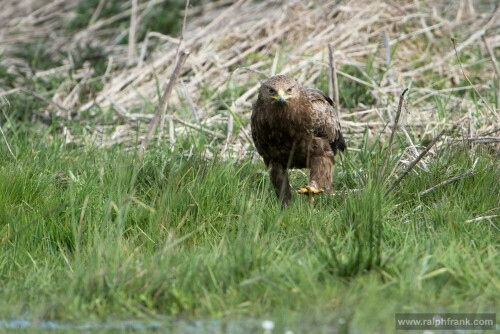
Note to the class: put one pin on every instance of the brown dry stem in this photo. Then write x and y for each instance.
(391, 139)
(414, 162)
(164, 99)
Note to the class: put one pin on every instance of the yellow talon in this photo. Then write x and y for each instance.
(302, 191)
(310, 191)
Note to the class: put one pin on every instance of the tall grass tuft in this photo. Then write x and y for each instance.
(361, 224)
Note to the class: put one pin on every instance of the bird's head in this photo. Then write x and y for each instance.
(279, 88)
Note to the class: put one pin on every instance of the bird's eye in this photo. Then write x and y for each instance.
(289, 91)
(272, 91)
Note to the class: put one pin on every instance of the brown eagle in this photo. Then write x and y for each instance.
(296, 127)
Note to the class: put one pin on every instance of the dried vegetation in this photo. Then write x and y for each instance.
(380, 48)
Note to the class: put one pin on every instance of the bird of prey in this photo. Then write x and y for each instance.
(296, 127)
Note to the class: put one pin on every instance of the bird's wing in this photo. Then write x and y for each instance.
(325, 122)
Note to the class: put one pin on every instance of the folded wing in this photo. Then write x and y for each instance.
(325, 121)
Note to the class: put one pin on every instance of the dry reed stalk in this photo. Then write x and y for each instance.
(183, 30)
(191, 106)
(482, 218)
(495, 67)
(275, 62)
(492, 132)
(46, 100)
(478, 139)
(97, 12)
(72, 98)
(199, 128)
(390, 76)
(166, 94)
(120, 110)
(162, 116)
(9, 92)
(144, 47)
(171, 129)
(230, 124)
(412, 146)
(132, 53)
(414, 162)
(465, 75)
(362, 82)
(8, 146)
(391, 139)
(251, 70)
(458, 177)
(333, 86)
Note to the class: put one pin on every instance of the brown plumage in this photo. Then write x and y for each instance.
(295, 127)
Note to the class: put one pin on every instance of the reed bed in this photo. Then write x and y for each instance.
(391, 45)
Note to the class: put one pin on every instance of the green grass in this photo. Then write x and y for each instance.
(99, 234)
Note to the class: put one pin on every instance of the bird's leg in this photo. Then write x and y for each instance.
(279, 178)
(321, 177)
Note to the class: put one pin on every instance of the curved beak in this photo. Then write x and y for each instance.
(281, 96)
